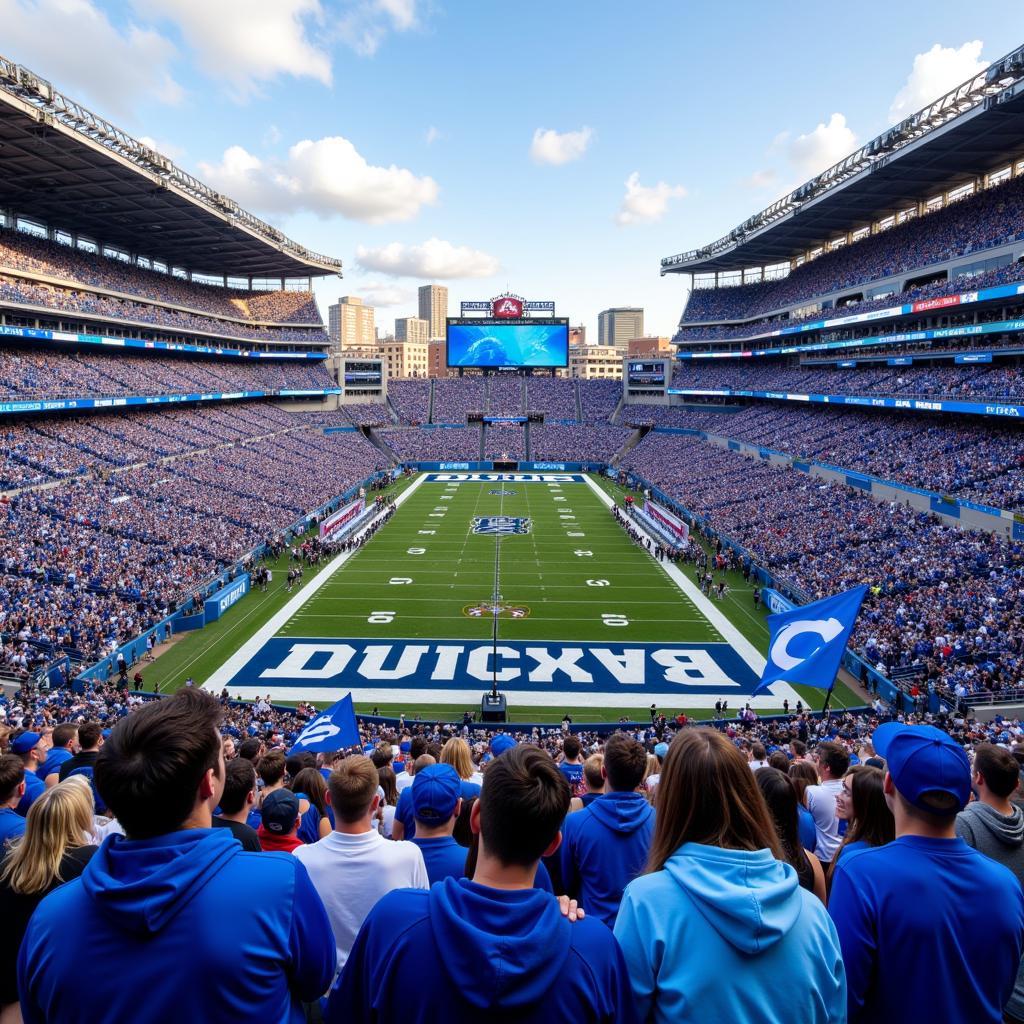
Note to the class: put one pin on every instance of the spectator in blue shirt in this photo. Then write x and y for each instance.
(571, 765)
(65, 746)
(436, 805)
(914, 944)
(494, 945)
(12, 789)
(169, 887)
(30, 747)
(404, 826)
(605, 846)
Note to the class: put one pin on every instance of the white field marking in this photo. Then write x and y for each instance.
(675, 698)
(560, 498)
(255, 643)
(729, 633)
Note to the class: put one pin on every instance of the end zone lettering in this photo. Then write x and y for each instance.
(519, 478)
(521, 666)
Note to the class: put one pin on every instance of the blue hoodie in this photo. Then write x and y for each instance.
(464, 952)
(922, 895)
(604, 847)
(729, 935)
(183, 927)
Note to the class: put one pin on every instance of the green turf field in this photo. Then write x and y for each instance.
(573, 577)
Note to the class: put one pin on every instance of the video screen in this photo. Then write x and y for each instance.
(508, 343)
(646, 374)
(362, 375)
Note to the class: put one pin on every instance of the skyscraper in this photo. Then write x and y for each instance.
(434, 308)
(350, 324)
(619, 325)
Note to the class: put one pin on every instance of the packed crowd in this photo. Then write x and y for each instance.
(505, 396)
(989, 218)
(433, 444)
(414, 876)
(504, 441)
(40, 450)
(951, 456)
(101, 557)
(555, 397)
(455, 398)
(947, 601)
(52, 259)
(410, 399)
(962, 283)
(590, 442)
(1002, 381)
(41, 374)
(169, 320)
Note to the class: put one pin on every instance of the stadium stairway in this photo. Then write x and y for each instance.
(370, 433)
(392, 411)
(579, 401)
(430, 404)
(614, 418)
(482, 445)
(526, 441)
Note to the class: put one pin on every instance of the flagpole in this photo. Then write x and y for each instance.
(828, 697)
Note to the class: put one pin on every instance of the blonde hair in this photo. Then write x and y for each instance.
(58, 820)
(456, 753)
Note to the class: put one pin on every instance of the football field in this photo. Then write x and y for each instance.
(584, 618)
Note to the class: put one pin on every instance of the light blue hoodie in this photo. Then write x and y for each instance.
(729, 936)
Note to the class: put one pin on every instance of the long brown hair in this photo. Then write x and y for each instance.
(708, 795)
(872, 821)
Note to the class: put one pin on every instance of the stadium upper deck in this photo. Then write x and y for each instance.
(935, 197)
(99, 228)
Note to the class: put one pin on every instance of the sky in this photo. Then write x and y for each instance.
(557, 150)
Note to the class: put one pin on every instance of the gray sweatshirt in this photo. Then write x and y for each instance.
(1001, 837)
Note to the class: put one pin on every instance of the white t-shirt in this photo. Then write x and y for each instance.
(352, 872)
(821, 802)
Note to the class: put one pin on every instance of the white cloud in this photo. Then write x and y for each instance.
(272, 136)
(433, 134)
(435, 259)
(812, 153)
(326, 177)
(367, 24)
(385, 295)
(644, 204)
(74, 44)
(936, 72)
(246, 42)
(551, 147)
(764, 178)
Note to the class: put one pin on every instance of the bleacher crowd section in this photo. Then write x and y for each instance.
(986, 219)
(38, 272)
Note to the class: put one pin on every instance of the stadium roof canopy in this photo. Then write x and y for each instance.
(967, 133)
(63, 165)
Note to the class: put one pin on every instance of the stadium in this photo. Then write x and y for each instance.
(204, 496)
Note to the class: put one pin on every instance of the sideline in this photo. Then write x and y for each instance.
(226, 672)
(732, 636)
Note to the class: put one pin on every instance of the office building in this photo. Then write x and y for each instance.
(412, 328)
(434, 308)
(618, 326)
(350, 325)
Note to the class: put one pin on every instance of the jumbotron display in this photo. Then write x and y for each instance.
(488, 344)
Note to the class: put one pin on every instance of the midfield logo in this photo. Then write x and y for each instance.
(503, 526)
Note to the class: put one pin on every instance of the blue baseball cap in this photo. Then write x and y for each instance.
(435, 792)
(501, 743)
(922, 761)
(661, 751)
(279, 811)
(25, 742)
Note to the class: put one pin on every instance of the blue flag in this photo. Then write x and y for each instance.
(807, 643)
(333, 729)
